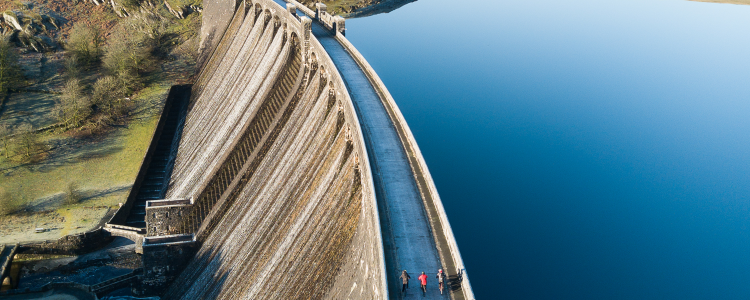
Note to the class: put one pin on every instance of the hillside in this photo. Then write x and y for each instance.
(73, 176)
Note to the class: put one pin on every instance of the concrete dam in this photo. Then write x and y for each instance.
(286, 171)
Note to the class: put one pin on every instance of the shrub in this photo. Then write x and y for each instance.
(130, 4)
(9, 204)
(73, 194)
(85, 43)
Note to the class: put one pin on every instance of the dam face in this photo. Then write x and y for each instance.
(271, 176)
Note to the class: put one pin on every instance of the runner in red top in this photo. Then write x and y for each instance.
(423, 279)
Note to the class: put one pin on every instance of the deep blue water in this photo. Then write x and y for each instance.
(583, 149)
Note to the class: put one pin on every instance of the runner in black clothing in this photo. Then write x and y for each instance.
(405, 278)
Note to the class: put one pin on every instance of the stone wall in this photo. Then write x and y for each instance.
(74, 244)
(163, 260)
(165, 216)
(7, 252)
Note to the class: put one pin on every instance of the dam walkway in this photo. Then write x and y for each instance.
(407, 235)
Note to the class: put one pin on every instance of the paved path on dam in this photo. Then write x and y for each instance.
(407, 239)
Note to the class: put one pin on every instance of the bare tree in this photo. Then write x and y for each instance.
(74, 105)
(85, 43)
(130, 46)
(108, 96)
(28, 143)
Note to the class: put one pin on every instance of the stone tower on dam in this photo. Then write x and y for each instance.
(286, 171)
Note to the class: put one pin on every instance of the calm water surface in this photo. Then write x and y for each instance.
(583, 149)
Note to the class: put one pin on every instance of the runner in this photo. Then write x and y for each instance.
(423, 279)
(441, 279)
(405, 278)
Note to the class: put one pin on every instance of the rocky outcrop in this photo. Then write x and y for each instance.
(11, 19)
(125, 10)
(182, 11)
(29, 30)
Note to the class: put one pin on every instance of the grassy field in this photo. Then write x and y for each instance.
(104, 168)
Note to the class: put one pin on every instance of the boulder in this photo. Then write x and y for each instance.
(12, 20)
(179, 12)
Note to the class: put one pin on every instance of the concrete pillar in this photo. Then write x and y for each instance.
(320, 9)
(339, 24)
(305, 38)
(292, 9)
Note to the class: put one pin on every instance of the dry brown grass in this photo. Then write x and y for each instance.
(101, 17)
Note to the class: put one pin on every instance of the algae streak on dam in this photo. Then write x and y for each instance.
(273, 163)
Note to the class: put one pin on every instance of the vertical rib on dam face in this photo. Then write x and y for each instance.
(274, 164)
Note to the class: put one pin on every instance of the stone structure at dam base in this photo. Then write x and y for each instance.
(264, 179)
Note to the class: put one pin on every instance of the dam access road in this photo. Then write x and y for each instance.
(408, 241)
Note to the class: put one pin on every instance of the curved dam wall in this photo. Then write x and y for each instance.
(272, 177)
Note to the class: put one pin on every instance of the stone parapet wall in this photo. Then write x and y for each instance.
(418, 164)
(165, 216)
(309, 12)
(334, 23)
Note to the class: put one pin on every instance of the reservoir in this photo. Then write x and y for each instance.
(582, 149)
